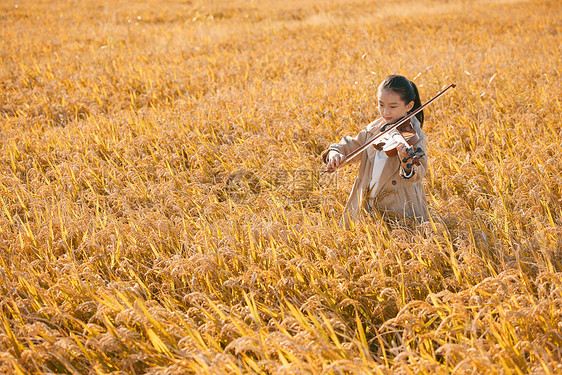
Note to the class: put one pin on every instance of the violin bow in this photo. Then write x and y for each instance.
(391, 128)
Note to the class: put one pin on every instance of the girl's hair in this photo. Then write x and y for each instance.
(406, 89)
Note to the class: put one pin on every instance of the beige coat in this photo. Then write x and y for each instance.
(393, 193)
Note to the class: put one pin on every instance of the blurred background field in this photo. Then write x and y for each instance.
(161, 209)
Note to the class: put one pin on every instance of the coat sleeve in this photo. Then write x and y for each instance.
(347, 145)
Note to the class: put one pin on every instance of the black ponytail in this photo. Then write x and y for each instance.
(407, 90)
(417, 104)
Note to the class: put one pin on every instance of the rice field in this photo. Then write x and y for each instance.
(162, 209)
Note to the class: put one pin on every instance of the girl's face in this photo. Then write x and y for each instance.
(392, 107)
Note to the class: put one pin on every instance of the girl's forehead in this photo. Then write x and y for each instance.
(389, 96)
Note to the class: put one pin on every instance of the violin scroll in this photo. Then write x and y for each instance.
(415, 155)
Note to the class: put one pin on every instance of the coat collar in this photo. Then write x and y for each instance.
(374, 127)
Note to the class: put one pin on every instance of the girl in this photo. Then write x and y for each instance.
(387, 185)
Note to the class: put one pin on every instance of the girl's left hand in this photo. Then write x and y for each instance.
(402, 153)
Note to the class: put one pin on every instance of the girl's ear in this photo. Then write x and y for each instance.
(410, 106)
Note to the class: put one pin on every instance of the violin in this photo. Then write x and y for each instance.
(393, 133)
(405, 134)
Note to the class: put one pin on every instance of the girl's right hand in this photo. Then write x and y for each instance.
(334, 160)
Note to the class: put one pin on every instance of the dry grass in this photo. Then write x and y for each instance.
(147, 226)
